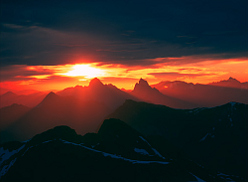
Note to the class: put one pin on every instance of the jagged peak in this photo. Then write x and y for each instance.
(95, 82)
(143, 82)
(113, 126)
(59, 132)
(232, 79)
(143, 85)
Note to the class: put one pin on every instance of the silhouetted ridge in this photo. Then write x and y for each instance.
(204, 134)
(51, 96)
(59, 132)
(95, 83)
(143, 84)
(120, 138)
(233, 80)
(114, 126)
(9, 94)
(116, 153)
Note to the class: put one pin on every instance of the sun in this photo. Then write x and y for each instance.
(85, 70)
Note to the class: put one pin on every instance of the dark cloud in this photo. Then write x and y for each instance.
(20, 72)
(123, 32)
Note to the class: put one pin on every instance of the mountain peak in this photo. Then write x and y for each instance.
(143, 86)
(9, 93)
(50, 95)
(95, 83)
(50, 98)
(58, 132)
(143, 82)
(231, 79)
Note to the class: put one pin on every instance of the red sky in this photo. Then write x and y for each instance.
(45, 45)
(57, 77)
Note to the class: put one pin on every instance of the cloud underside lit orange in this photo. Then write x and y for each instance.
(56, 77)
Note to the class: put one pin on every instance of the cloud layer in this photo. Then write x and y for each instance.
(129, 33)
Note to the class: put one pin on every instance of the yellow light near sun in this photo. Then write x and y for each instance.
(85, 70)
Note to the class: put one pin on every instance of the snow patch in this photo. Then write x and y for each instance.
(204, 138)
(197, 178)
(153, 149)
(141, 151)
(115, 156)
(208, 134)
(226, 177)
(5, 168)
(6, 154)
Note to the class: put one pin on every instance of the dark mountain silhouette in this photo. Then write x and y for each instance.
(10, 114)
(144, 92)
(55, 110)
(59, 154)
(83, 108)
(214, 137)
(232, 83)
(203, 95)
(97, 91)
(119, 138)
(30, 100)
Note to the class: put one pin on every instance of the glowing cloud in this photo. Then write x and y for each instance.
(84, 70)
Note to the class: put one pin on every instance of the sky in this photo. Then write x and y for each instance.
(50, 45)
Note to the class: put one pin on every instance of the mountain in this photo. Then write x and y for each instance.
(203, 95)
(97, 91)
(10, 114)
(60, 154)
(83, 108)
(146, 93)
(232, 83)
(213, 137)
(85, 116)
(29, 100)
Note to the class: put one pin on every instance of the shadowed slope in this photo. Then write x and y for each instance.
(54, 110)
(60, 154)
(9, 114)
(214, 137)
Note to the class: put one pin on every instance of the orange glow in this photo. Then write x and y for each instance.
(39, 76)
(84, 70)
(188, 69)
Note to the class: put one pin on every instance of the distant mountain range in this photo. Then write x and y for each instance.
(116, 153)
(210, 95)
(231, 83)
(176, 94)
(29, 100)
